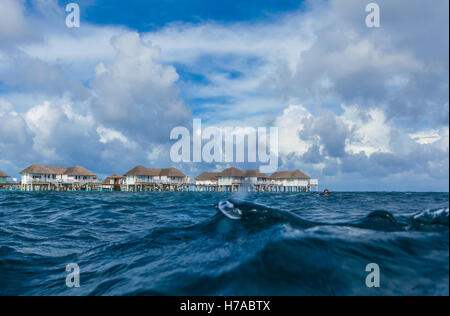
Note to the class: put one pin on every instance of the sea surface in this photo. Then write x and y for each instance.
(224, 244)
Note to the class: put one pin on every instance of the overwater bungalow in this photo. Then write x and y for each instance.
(3, 177)
(141, 178)
(292, 181)
(114, 183)
(233, 179)
(207, 179)
(38, 177)
(230, 180)
(41, 178)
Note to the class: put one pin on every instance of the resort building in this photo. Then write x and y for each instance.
(113, 183)
(39, 177)
(233, 179)
(292, 181)
(230, 179)
(207, 179)
(3, 177)
(141, 178)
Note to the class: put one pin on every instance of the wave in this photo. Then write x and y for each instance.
(378, 220)
(220, 244)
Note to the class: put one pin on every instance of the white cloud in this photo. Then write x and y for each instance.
(107, 135)
(430, 136)
(156, 153)
(136, 94)
(14, 132)
(88, 45)
(53, 125)
(293, 123)
(394, 80)
(370, 131)
(12, 20)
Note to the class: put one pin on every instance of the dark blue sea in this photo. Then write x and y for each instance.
(224, 244)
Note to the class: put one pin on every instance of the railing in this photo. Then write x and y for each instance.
(59, 181)
(139, 182)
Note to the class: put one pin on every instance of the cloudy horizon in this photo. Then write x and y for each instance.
(358, 108)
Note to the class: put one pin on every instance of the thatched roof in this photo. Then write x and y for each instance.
(113, 177)
(208, 176)
(116, 176)
(155, 172)
(79, 171)
(232, 172)
(3, 175)
(143, 171)
(297, 174)
(58, 170)
(172, 172)
(38, 169)
(255, 173)
(69, 171)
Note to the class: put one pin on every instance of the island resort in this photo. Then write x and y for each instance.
(42, 178)
(233, 179)
(3, 177)
(141, 178)
(114, 182)
(38, 177)
(4, 185)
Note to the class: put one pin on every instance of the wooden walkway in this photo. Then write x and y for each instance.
(153, 187)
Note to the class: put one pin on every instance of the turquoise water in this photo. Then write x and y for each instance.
(256, 244)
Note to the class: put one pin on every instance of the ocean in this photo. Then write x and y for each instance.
(168, 243)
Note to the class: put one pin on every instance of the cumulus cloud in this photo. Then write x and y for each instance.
(137, 94)
(109, 135)
(401, 68)
(18, 26)
(13, 24)
(15, 136)
(374, 102)
(57, 134)
(30, 75)
(56, 129)
(361, 144)
(322, 55)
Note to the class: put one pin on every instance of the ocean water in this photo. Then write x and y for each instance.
(224, 244)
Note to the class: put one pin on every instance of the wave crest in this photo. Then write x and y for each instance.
(379, 220)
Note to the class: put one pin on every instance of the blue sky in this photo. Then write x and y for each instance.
(359, 108)
(148, 15)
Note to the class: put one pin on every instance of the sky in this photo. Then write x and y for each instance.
(361, 109)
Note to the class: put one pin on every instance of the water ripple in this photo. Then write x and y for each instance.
(214, 244)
